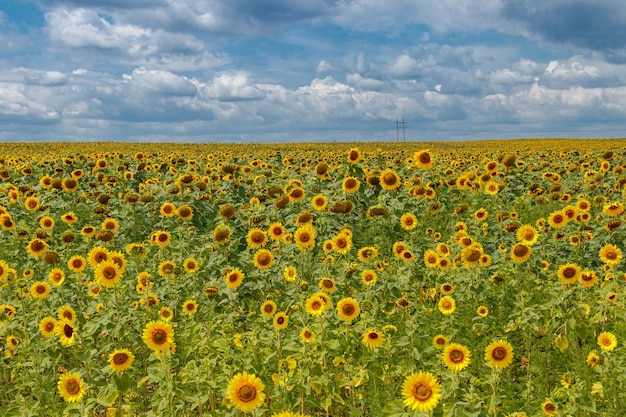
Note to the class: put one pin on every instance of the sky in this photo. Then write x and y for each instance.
(311, 70)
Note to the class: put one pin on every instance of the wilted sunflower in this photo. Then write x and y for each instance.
(281, 320)
(108, 274)
(263, 259)
(499, 354)
(373, 339)
(268, 308)
(348, 309)
(245, 392)
(456, 357)
(610, 254)
(446, 305)
(184, 212)
(121, 359)
(190, 307)
(48, 327)
(71, 387)
(158, 335)
(40, 290)
(421, 391)
(607, 341)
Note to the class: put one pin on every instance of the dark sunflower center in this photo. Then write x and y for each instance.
(348, 309)
(569, 273)
(304, 237)
(456, 356)
(40, 289)
(120, 358)
(268, 309)
(610, 255)
(280, 320)
(264, 259)
(499, 353)
(424, 158)
(257, 237)
(72, 386)
(37, 246)
(389, 179)
(159, 336)
(473, 255)
(233, 277)
(109, 273)
(246, 393)
(373, 336)
(422, 392)
(520, 250)
(550, 407)
(190, 307)
(316, 305)
(68, 330)
(350, 183)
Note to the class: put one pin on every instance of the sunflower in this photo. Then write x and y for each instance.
(97, 255)
(607, 341)
(423, 159)
(191, 265)
(290, 273)
(527, 235)
(88, 231)
(108, 274)
(557, 219)
(491, 188)
(296, 194)
(158, 335)
(48, 326)
(569, 273)
(161, 238)
(69, 218)
(368, 277)
(389, 180)
(256, 238)
(190, 307)
(314, 305)
(348, 309)
(327, 285)
(121, 359)
(354, 155)
(593, 359)
(66, 332)
(167, 269)
(268, 308)
(56, 277)
(549, 408)
(471, 255)
(431, 259)
(32, 203)
(456, 357)
(446, 288)
(245, 392)
(350, 185)
(408, 221)
(446, 305)
(234, 278)
(40, 290)
(588, 278)
(499, 354)
(71, 387)
(307, 335)
(305, 237)
(482, 311)
(421, 391)
(263, 259)
(610, 254)
(342, 244)
(613, 209)
(110, 224)
(281, 320)
(520, 252)
(184, 212)
(167, 209)
(367, 253)
(36, 247)
(319, 202)
(46, 223)
(276, 231)
(373, 339)
(66, 312)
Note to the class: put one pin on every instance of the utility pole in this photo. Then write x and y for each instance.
(398, 123)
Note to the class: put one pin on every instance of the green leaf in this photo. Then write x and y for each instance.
(394, 409)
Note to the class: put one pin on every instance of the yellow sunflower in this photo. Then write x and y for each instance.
(71, 387)
(110, 224)
(348, 309)
(97, 255)
(588, 278)
(456, 357)
(613, 209)
(191, 265)
(161, 238)
(281, 320)
(66, 312)
(190, 307)
(482, 311)
(569, 273)
(549, 408)
(276, 231)
(256, 238)
(521, 252)
(166, 313)
(527, 235)
(354, 155)
(342, 244)
(557, 219)
(48, 326)
(368, 277)
(36, 247)
(314, 305)
(350, 185)
(307, 335)
(446, 305)
(327, 285)
(263, 259)
(168, 209)
(610, 254)
(46, 223)
(108, 274)
(389, 180)
(499, 354)
(408, 221)
(77, 263)
(305, 237)
(607, 341)
(184, 212)
(245, 392)
(56, 277)
(121, 359)
(290, 274)
(158, 335)
(40, 290)
(268, 308)
(373, 339)
(234, 278)
(421, 391)
(66, 332)
(423, 159)
(319, 202)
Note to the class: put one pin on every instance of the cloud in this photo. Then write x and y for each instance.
(324, 66)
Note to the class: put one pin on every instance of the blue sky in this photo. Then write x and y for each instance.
(311, 70)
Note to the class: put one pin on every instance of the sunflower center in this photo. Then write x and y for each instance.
(307, 334)
(473, 255)
(77, 263)
(109, 273)
(37, 246)
(246, 393)
(40, 289)
(610, 255)
(424, 158)
(280, 320)
(120, 358)
(557, 219)
(159, 336)
(100, 256)
(499, 353)
(550, 407)
(233, 277)
(348, 309)
(446, 305)
(304, 237)
(529, 235)
(72, 386)
(520, 250)
(606, 341)
(68, 331)
(569, 273)
(373, 336)
(422, 392)
(389, 178)
(268, 309)
(341, 243)
(190, 307)
(264, 259)
(350, 183)
(68, 315)
(257, 238)
(456, 356)
(316, 305)
(49, 327)
(162, 237)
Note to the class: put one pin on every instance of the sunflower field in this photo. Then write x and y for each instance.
(291, 280)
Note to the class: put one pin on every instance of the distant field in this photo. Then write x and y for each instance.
(317, 279)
